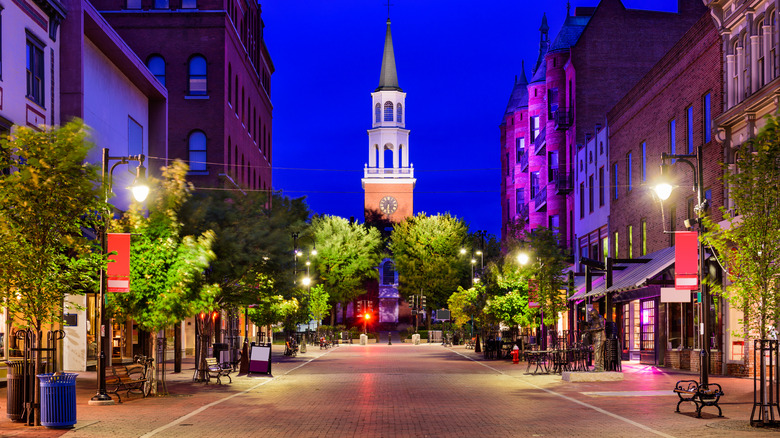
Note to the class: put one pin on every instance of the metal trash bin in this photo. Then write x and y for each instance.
(58, 399)
(16, 391)
(217, 348)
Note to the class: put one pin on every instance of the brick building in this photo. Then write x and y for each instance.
(750, 82)
(671, 110)
(579, 75)
(211, 57)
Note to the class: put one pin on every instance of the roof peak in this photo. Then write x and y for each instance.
(388, 77)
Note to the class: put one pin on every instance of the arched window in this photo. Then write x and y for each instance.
(388, 111)
(378, 113)
(388, 157)
(197, 145)
(399, 114)
(156, 65)
(197, 76)
(388, 273)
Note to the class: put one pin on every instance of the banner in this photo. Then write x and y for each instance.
(118, 270)
(686, 260)
(533, 293)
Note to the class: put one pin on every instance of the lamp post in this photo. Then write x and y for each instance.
(664, 190)
(140, 192)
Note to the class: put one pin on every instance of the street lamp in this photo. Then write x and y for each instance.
(140, 191)
(664, 190)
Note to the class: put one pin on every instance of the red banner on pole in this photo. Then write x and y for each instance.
(686, 260)
(118, 269)
(533, 293)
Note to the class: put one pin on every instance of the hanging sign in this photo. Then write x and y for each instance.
(686, 260)
(118, 270)
(533, 293)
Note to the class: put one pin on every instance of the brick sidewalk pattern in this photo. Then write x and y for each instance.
(406, 391)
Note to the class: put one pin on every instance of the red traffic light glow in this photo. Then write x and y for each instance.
(368, 316)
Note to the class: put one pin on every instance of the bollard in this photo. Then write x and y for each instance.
(389, 338)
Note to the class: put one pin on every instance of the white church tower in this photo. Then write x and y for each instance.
(388, 178)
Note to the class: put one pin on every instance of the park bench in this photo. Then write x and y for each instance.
(700, 395)
(324, 343)
(470, 343)
(124, 378)
(290, 349)
(218, 370)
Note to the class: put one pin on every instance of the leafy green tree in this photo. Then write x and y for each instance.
(318, 304)
(253, 244)
(347, 255)
(749, 244)
(166, 266)
(509, 294)
(48, 196)
(426, 252)
(465, 304)
(272, 309)
(547, 263)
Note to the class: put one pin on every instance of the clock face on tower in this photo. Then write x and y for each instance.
(388, 205)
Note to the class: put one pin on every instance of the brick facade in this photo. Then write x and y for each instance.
(235, 111)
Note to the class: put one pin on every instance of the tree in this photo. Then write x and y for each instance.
(271, 310)
(347, 255)
(252, 245)
(749, 245)
(547, 264)
(166, 266)
(509, 294)
(426, 252)
(465, 304)
(46, 202)
(318, 304)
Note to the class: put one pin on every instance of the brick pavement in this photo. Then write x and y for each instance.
(404, 390)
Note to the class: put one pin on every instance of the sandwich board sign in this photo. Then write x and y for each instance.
(260, 359)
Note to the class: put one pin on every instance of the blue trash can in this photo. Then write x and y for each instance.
(58, 399)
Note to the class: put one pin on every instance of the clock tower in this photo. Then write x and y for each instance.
(388, 177)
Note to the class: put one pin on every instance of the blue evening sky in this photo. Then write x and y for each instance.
(456, 60)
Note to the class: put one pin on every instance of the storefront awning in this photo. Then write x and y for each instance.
(633, 276)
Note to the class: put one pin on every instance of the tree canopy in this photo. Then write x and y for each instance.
(49, 199)
(749, 245)
(426, 250)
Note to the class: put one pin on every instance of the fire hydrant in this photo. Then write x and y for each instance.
(516, 355)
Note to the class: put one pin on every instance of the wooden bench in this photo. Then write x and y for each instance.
(125, 378)
(217, 370)
(470, 343)
(700, 395)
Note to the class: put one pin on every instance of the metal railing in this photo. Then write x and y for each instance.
(381, 172)
(563, 119)
(523, 162)
(540, 198)
(540, 142)
(564, 182)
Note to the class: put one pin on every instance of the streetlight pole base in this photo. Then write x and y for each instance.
(101, 399)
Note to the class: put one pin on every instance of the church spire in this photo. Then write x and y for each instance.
(388, 78)
(523, 79)
(544, 42)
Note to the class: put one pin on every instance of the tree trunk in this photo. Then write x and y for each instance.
(155, 363)
(38, 370)
(177, 347)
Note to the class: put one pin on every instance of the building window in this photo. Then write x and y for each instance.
(399, 114)
(643, 237)
(615, 180)
(689, 135)
(582, 200)
(35, 69)
(630, 241)
(534, 184)
(1, 53)
(672, 136)
(230, 84)
(189, 4)
(388, 273)
(162, 4)
(133, 4)
(535, 128)
(508, 165)
(197, 145)
(616, 245)
(707, 119)
(648, 325)
(197, 76)
(519, 148)
(508, 212)
(601, 186)
(378, 113)
(760, 54)
(605, 248)
(590, 194)
(644, 161)
(135, 139)
(628, 172)
(156, 65)
(554, 224)
(388, 111)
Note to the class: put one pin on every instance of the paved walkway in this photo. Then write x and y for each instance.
(407, 391)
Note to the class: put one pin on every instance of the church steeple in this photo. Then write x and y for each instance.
(388, 78)
(544, 42)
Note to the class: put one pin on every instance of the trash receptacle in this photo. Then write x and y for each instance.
(16, 391)
(217, 348)
(58, 399)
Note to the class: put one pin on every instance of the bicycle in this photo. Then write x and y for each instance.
(146, 372)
